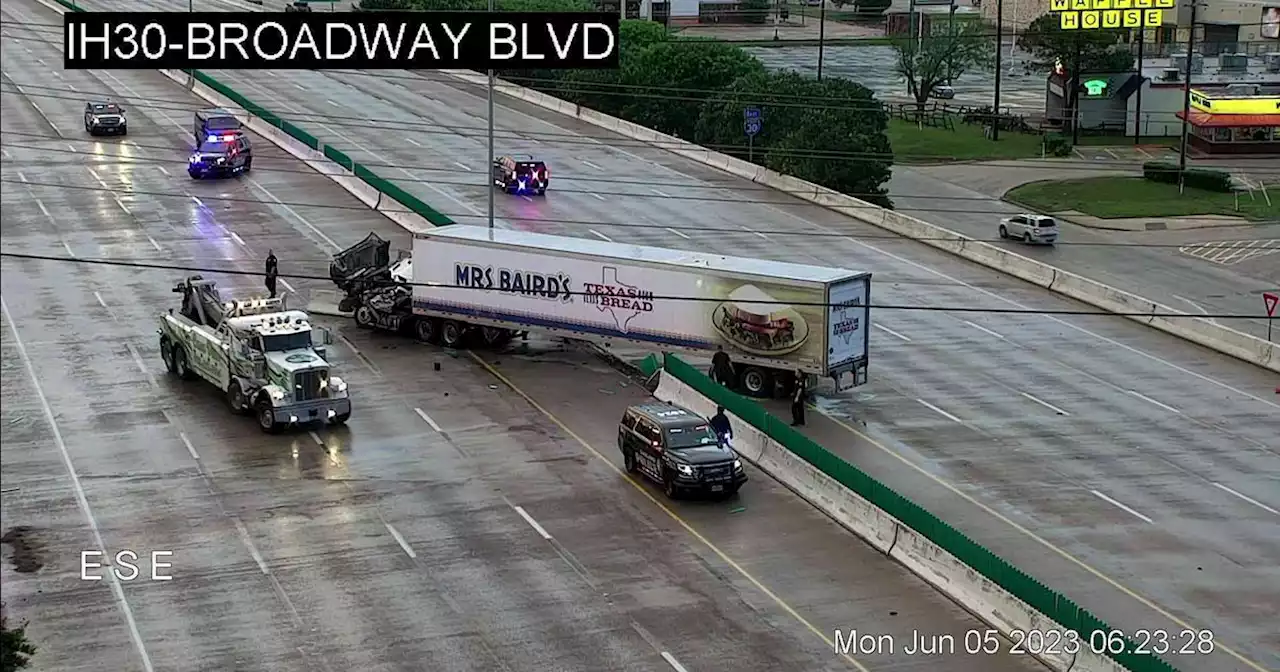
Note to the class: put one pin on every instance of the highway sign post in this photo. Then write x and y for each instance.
(751, 124)
(1270, 300)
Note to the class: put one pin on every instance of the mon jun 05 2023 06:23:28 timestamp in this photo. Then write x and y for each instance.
(1039, 643)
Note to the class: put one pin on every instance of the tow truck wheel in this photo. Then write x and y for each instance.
(180, 363)
(166, 353)
(364, 317)
(451, 334)
(266, 416)
(235, 398)
(755, 381)
(427, 329)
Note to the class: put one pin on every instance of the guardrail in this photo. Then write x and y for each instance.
(1020, 585)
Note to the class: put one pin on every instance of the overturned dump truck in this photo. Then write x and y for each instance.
(259, 353)
(472, 286)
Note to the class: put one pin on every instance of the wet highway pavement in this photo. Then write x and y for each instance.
(1128, 450)
(1054, 422)
(400, 542)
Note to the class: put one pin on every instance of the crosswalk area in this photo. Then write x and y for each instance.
(1230, 252)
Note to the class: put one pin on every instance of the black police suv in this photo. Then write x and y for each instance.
(105, 118)
(677, 449)
(221, 154)
(521, 174)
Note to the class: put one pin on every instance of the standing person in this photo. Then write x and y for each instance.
(797, 400)
(272, 271)
(721, 367)
(720, 424)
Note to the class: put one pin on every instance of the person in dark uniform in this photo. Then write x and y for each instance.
(272, 271)
(797, 400)
(722, 367)
(720, 424)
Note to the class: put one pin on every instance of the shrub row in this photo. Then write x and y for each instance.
(1199, 178)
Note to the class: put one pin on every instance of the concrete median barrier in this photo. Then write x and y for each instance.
(944, 571)
(1192, 328)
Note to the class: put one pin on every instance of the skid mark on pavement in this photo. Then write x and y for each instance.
(1230, 252)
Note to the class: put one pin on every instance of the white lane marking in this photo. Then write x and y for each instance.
(979, 327)
(462, 166)
(67, 247)
(163, 170)
(81, 499)
(678, 233)
(532, 523)
(316, 437)
(1118, 505)
(288, 286)
(1191, 303)
(43, 209)
(22, 177)
(1153, 401)
(1246, 498)
(526, 198)
(750, 230)
(671, 660)
(122, 205)
(395, 534)
(1044, 403)
(596, 196)
(1055, 318)
(154, 243)
(102, 303)
(98, 178)
(332, 103)
(413, 142)
(190, 448)
(142, 366)
(4, 152)
(236, 237)
(198, 202)
(72, 148)
(423, 414)
(588, 163)
(889, 331)
(599, 235)
(300, 218)
(660, 193)
(941, 412)
(248, 543)
(300, 87)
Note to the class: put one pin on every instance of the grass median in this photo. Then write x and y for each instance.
(913, 144)
(1124, 197)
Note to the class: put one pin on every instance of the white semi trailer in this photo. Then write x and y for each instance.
(471, 284)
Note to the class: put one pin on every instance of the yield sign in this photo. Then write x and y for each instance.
(1270, 300)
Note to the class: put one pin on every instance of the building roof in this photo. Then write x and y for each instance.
(1209, 120)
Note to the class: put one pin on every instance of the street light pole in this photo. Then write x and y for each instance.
(822, 34)
(1186, 98)
(995, 107)
(492, 153)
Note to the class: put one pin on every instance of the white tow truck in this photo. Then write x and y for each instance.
(258, 352)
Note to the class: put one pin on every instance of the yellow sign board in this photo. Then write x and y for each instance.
(1243, 105)
(1095, 14)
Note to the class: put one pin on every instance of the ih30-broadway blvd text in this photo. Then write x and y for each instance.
(318, 41)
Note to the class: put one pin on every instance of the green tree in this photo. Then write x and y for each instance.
(1100, 50)
(949, 50)
(836, 139)
(667, 82)
(15, 650)
(599, 90)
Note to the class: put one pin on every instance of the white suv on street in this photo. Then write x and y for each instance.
(1029, 229)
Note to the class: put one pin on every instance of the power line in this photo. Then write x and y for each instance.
(664, 297)
(579, 139)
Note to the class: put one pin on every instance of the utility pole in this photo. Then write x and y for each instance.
(1186, 98)
(1137, 106)
(493, 154)
(1075, 96)
(822, 33)
(995, 107)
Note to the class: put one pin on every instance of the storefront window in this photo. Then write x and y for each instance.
(1252, 134)
(1221, 134)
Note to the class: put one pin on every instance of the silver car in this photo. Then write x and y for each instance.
(1034, 229)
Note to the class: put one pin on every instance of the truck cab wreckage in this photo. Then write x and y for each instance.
(258, 352)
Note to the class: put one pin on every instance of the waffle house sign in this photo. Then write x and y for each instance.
(1102, 14)
(1222, 104)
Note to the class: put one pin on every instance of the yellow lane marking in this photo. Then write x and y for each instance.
(1044, 542)
(672, 514)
